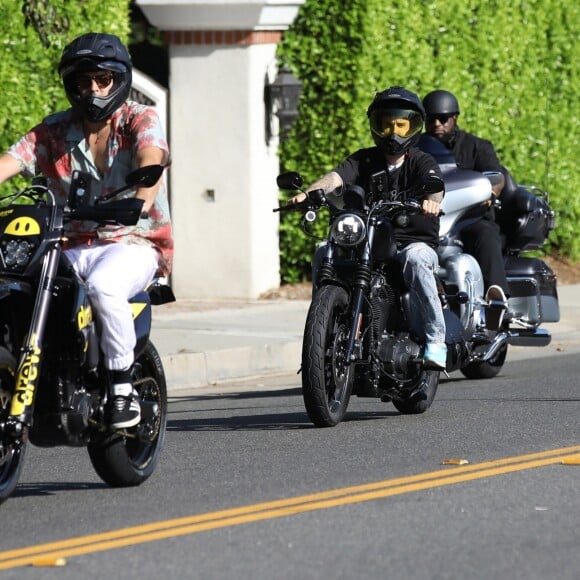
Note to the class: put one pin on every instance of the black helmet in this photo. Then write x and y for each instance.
(94, 52)
(396, 118)
(440, 103)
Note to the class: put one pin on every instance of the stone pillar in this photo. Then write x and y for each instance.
(223, 175)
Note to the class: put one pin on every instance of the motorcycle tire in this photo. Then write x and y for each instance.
(425, 394)
(11, 456)
(487, 369)
(326, 377)
(123, 461)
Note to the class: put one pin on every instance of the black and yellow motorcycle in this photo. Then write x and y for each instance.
(53, 384)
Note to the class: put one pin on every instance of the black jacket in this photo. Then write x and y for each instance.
(360, 166)
(472, 152)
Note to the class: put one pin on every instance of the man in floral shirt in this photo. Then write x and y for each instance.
(106, 136)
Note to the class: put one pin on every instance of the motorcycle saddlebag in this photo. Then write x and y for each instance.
(532, 289)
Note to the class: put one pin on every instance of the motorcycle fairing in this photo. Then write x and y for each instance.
(463, 188)
(25, 223)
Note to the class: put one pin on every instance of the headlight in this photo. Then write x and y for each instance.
(348, 230)
(16, 253)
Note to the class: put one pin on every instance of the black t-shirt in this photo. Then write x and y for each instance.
(358, 168)
(472, 152)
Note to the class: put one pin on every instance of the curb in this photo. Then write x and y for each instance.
(203, 369)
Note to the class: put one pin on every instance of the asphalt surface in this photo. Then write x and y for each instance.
(205, 343)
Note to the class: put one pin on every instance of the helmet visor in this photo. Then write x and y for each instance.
(401, 122)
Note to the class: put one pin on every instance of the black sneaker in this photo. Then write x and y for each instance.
(124, 412)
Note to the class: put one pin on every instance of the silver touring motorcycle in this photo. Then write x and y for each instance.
(525, 219)
(358, 338)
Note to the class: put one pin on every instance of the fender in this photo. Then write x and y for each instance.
(9, 286)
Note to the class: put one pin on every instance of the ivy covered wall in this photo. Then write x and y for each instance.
(512, 65)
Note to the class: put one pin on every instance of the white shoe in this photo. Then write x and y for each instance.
(435, 355)
(497, 304)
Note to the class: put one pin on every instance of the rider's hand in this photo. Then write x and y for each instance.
(430, 207)
(297, 199)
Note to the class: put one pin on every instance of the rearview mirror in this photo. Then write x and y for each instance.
(290, 180)
(433, 184)
(146, 176)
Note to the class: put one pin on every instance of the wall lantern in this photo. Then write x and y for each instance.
(284, 94)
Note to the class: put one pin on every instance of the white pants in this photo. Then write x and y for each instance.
(114, 273)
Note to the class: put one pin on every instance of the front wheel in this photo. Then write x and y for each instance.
(327, 376)
(11, 451)
(128, 458)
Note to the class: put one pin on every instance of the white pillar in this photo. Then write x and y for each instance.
(223, 175)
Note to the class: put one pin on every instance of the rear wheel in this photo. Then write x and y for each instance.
(129, 457)
(421, 395)
(11, 451)
(326, 375)
(486, 369)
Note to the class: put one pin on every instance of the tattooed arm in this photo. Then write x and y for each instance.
(330, 182)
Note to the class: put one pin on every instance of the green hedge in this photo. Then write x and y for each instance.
(34, 33)
(512, 65)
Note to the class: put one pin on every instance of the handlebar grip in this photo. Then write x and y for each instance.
(302, 206)
(317, 197)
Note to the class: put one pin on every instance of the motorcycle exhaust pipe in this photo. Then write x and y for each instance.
(537, 337)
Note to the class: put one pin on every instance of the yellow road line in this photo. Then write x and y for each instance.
(281, 508)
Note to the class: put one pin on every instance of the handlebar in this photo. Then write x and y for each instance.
(381, 207)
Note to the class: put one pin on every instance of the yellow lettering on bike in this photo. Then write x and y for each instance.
(84, 317)
(26, 380)
(5, 212)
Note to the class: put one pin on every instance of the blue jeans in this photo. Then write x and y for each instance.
(419, 262)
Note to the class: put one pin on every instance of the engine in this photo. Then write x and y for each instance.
(464, 288)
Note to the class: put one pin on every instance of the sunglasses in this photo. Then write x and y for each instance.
(441, 118)
(102, 80)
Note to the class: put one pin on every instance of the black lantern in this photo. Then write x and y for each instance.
(284, 95)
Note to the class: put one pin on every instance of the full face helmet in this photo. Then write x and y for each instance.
(440, 103)
(396, 118)
(94, 52)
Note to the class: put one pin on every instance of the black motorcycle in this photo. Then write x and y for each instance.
(358, 338)
(53, 385)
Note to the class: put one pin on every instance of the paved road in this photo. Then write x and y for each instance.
(233, 497)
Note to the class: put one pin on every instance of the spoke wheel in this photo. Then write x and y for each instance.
(128, 457)
(326, 374)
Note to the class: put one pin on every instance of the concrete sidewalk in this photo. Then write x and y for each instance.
(204, 343)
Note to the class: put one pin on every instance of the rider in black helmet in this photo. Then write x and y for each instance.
(482, 239)
(106, 135)
(396, 118)
(92, 53)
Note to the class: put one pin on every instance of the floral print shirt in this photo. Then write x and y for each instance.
(56, 148)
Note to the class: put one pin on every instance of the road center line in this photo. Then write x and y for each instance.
(280, 508)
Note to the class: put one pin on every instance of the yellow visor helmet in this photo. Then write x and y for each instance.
(401, 122)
